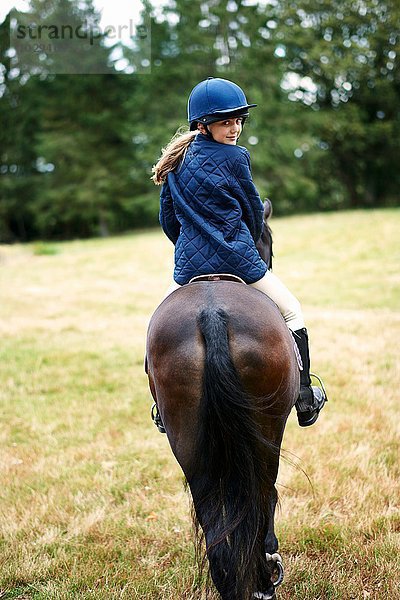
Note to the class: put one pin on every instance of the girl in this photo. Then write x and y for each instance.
(212, 212)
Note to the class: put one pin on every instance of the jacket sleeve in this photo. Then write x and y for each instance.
(168, 220)
(247, 195)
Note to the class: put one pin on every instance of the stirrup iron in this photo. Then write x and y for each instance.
(321, 384)
(155, 415)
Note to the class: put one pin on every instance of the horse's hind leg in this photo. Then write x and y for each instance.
(269, 569)
(271, 541)
(216, 559)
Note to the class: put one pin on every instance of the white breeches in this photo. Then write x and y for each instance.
(273, 287)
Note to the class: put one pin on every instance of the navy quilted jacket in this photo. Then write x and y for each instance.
(211, 210)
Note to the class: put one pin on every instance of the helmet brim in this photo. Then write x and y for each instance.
(221, 115)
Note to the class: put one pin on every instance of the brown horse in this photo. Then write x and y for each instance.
(223, 372)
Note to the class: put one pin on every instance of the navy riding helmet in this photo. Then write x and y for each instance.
(215, 99)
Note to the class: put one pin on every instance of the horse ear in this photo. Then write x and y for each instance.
(264, 244)
(267, 209)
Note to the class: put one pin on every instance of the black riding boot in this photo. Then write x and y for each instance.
(311, 398)
(155, 415)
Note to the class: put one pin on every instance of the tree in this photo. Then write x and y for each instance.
(66, 156)
(346, 57)
(18, 174)
(76, 151)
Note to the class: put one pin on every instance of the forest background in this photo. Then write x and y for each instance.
(76, 150)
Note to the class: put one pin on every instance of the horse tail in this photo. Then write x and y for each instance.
(233, 479)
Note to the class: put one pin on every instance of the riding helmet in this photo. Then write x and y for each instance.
(215, 99)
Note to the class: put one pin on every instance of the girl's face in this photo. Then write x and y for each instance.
(224, 132)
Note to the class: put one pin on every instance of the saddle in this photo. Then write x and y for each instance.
(217, 277)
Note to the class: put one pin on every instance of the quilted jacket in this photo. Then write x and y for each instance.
(212, 212)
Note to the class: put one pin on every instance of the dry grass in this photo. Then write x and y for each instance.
(91, 501)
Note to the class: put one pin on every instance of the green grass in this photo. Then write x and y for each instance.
(91, 499)
(44, 249)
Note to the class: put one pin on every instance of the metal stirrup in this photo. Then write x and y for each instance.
(320, 384)
(278, 564)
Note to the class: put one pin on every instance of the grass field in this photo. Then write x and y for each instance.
(91, 500)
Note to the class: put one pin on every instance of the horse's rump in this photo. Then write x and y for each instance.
(223, 372)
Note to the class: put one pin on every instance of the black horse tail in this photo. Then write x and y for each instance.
(233, 480)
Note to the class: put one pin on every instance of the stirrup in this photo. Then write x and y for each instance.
(155, 415)
(321, 385)
(307, 415)
(278, 577)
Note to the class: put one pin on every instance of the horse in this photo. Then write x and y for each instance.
(223, 372)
